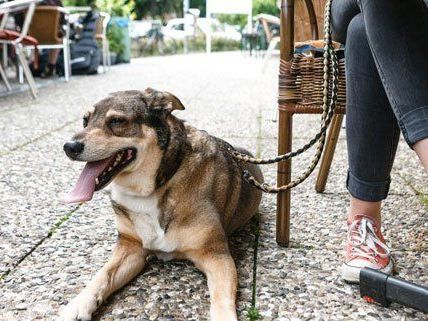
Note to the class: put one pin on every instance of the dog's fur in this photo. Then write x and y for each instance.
(179, 199)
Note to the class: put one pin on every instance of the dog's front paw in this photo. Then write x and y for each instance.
(80, 308)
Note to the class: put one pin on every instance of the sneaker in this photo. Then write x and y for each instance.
(365, 248)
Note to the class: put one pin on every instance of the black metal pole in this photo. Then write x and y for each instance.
(384, 289)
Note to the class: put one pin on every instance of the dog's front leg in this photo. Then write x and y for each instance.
(222, 282)
(127, 261)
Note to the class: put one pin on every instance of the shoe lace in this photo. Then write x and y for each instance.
(365, 242)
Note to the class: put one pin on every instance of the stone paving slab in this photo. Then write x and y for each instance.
(33, 178)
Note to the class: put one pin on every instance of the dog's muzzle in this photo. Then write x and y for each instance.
(73, 148)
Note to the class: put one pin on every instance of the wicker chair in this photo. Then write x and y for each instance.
(300, 92)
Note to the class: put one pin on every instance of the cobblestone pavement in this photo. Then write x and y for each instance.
(49, 251)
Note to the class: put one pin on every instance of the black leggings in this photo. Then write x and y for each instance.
(387, 85)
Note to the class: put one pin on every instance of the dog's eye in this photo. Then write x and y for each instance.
(85, 121)
(116, 121)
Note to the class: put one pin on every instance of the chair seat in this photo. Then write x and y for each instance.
(11, 35)
(310, 109)
(301, 85)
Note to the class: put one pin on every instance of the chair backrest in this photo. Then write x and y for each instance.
(301, 20)
(45, 25)
(102, 23)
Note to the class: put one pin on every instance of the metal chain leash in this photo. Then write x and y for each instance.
(329, 105)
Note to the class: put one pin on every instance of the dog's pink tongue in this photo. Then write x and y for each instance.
(85, 186)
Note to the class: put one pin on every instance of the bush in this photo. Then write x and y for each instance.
(265, 6)
(119, 8)
(143, 47)
(78, 3)
(114, 36)
(233, 19)
(259, 6)
(219, 44)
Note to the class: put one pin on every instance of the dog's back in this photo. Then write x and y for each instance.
(236, 200)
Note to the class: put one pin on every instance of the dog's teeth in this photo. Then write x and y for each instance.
(97, 181)
(110, 168)
(118, 157)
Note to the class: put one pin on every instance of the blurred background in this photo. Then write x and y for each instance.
(60, 38)
(163, 26)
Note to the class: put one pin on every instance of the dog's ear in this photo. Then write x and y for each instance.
(162, 100)
(172, 102)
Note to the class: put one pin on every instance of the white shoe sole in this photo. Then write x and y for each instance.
(351, 274)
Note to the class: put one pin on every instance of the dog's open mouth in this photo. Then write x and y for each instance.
(97, 175)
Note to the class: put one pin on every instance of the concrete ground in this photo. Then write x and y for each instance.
(49, 250)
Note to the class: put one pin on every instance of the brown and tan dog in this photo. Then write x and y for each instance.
(176, 193)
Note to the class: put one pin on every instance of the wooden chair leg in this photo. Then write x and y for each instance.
(285, 126)
(327, 157)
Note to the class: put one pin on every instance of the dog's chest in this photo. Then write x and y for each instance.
(145, 216)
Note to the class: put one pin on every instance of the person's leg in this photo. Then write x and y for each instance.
(371, 209)
(421, 148)
(405, 86)
(372, 130)
(397, 32)
(394, 41)
(50, 66)
(372, 138)
(342, 12)
(53, 56)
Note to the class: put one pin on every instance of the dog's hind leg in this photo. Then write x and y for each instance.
(222, 282)
(127, 261)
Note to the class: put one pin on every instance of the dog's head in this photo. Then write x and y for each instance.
(124, 136)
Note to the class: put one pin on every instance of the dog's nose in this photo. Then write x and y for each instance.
(73, 148)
